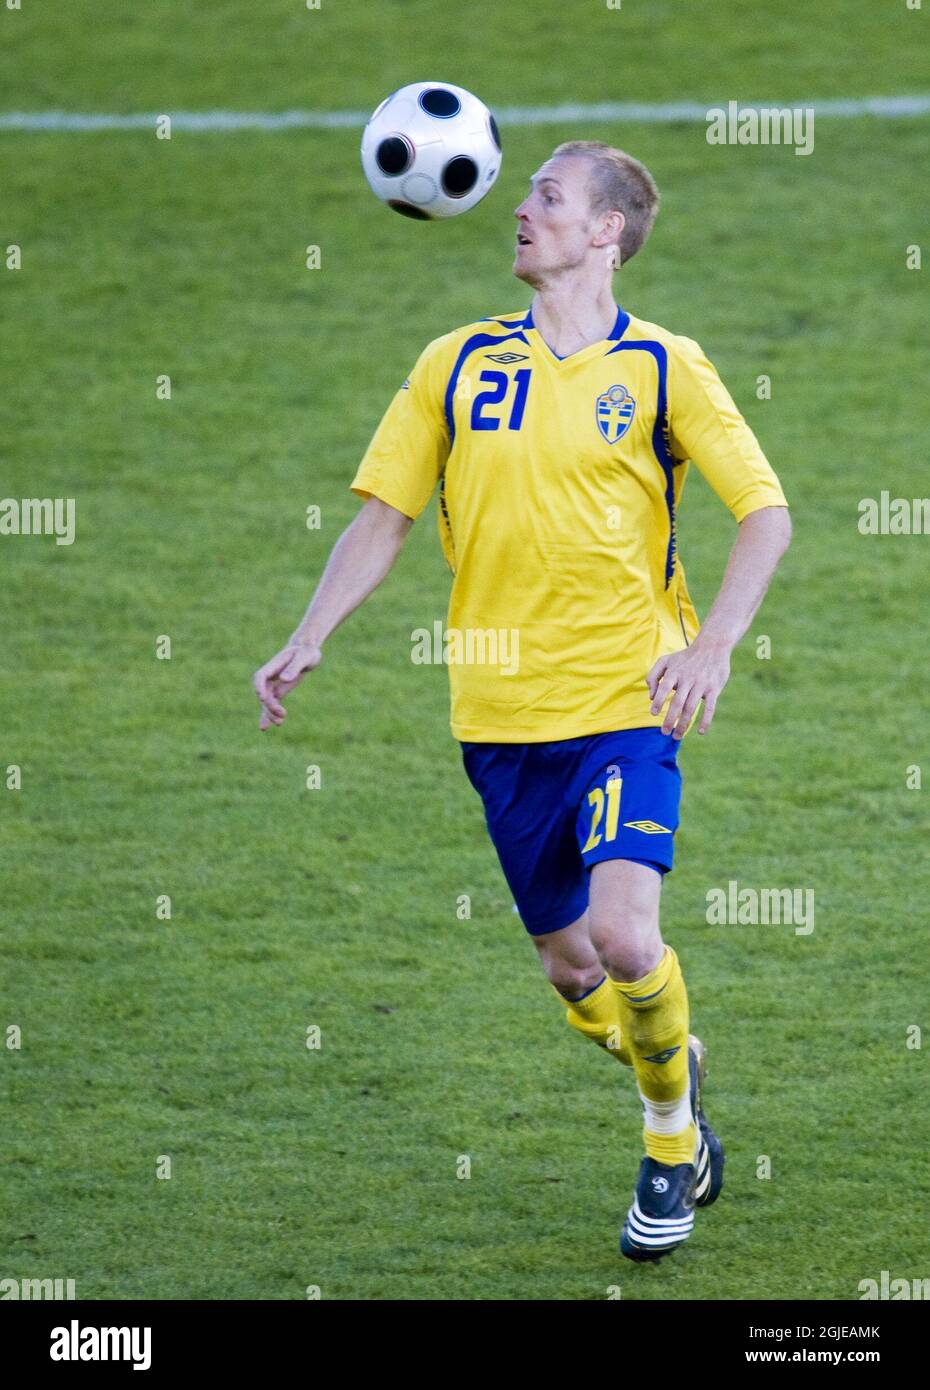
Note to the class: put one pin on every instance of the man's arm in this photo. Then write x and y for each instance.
(702, 670)
(362, 556)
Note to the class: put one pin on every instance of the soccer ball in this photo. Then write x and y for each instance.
(431, 150)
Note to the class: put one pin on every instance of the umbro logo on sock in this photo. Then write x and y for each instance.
(665, 1055)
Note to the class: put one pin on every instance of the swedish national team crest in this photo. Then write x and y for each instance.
(615, 411)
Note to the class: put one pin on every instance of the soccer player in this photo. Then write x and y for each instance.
(559, 438)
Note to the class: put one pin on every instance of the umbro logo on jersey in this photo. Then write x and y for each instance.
(665, 1055)
(648, 827)
(507, 357)
(614, 411)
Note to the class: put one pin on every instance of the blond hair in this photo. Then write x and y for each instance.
(619, 183)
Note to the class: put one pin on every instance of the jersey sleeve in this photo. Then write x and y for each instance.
(408, 451)
(707, 428)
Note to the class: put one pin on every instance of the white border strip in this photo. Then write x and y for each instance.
(649, 113)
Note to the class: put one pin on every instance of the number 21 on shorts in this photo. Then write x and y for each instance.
(597, 800)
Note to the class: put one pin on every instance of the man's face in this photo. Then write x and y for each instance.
(554, 220)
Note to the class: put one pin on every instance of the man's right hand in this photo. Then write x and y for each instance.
(278, 677)
(357, 563)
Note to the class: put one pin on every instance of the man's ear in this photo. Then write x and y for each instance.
(612, 230)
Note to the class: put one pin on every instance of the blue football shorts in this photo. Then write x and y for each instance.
(554, 810)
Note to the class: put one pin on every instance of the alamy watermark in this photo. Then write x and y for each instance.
(761, 125)
(38, 516)
(470, 646)
(37, 1290)
(894, 516)
(743, 907)
(886, 1287)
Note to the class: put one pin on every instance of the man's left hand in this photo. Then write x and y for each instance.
(698, 673)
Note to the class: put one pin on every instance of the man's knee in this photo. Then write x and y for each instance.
(571, 975)
(624, 918)
(627, 940)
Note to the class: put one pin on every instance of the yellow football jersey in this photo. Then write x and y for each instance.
(559, 483)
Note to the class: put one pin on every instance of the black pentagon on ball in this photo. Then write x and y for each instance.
(393, 155)
(459, 176)
(408, 210)
(437, 101)
(495, 133)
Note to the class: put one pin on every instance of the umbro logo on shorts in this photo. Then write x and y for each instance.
(665, 1055)
(648, 827)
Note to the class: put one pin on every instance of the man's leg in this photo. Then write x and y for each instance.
(575, 972)
(623, 930)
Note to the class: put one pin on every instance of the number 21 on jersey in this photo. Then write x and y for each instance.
(484, 416)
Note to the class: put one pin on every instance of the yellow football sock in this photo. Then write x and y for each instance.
(597, 1016)
(654, 1023)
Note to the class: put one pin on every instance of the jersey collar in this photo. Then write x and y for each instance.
(620, 326)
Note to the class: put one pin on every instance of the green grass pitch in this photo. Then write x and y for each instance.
(336, 1167)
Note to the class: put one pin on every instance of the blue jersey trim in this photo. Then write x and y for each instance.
(477, 340)
(660, 441)
(621, 323)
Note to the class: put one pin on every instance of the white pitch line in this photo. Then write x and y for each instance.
(661, 113)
